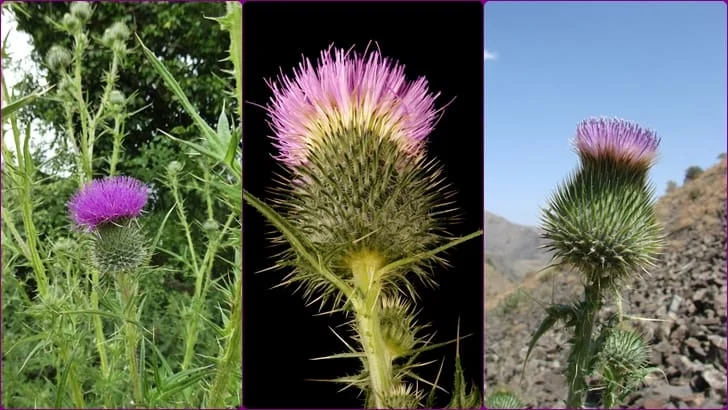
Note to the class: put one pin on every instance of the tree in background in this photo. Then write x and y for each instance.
(692, 173)
(190, 47)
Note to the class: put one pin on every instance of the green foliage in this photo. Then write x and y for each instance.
(510, 303)
(692, 173)
(175, 32)
(722, 156)
(70, 338)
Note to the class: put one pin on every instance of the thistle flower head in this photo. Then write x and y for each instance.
(621, 141)
(602, 219)
(107, 200)
(346, 91)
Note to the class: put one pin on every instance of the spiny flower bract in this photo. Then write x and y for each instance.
(107, 200)
(621, 141)
(347, 91)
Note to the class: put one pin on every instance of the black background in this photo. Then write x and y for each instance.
(442, 41)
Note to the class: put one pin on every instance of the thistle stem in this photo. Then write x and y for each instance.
(581, 352)
(127, 290)
(99, 330)
(366, 309)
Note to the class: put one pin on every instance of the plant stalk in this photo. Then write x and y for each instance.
(127, 290)
(99, 330)
(581, 353)
(366, 309)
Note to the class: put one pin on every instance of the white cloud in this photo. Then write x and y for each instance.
(489, 55)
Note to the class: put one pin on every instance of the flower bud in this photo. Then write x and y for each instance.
(173, 168)
(71, 23)
(116, 98)
(402, 396)
(118, 32)
(398, 326)
(210, 226)
(63, 244)
(58, 58)
(81, 10)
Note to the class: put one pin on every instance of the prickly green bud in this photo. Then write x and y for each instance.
(82, 10)
(210, 226)
(398, 326)
(119, 247)
(173, 168)
(118, 32)
(63, 245)
(624, 353)
(71, 23)
(58, 58)
(116, 97)
(602, 219)
(503, 400)
(403, 396)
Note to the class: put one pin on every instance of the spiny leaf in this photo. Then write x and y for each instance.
(554, 313)
(21, 102)
(462, 397)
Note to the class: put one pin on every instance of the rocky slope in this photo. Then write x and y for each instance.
(512, 249)
(686, 292)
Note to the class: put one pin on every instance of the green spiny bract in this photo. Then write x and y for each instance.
(399, 326)
(119, 247)
(503, 400)
(624, 353)
(602, 221)
(359, 192)
(622, 364)
(403, 396)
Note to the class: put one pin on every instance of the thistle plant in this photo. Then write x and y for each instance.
(601, 222)
(80, 323)
(364, 211)
(109, 209)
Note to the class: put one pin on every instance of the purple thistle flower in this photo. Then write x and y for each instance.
(620, 140)
(346, 91)
(107, 200)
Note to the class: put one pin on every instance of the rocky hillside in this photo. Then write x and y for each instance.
(512, 249)
(686, 293)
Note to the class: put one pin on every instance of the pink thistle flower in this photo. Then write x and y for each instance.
(616, 139)
(107, 200)
(349, 91)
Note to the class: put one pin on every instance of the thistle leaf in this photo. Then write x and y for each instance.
(554, 314)
(462, 396)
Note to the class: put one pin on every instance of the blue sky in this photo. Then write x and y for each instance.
(548, 65)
